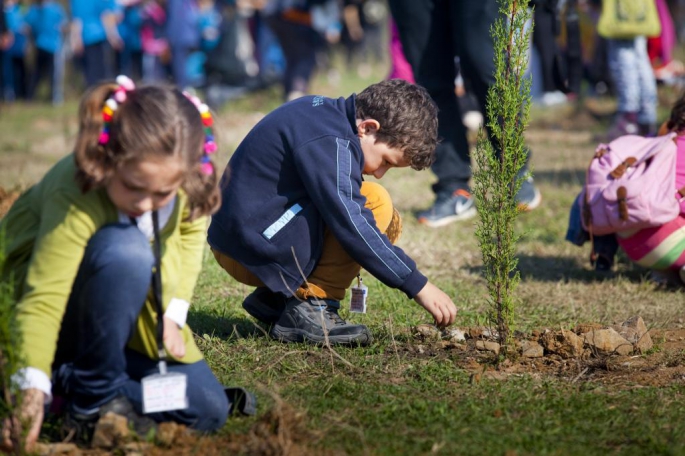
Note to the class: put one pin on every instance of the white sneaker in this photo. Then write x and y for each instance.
(553, 99)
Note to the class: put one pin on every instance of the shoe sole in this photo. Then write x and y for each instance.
(293, 335)
(527, 207)
(470, 213)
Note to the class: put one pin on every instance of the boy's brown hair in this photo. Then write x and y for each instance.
(408, 118)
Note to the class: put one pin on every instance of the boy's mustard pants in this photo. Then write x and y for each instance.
(336, 270)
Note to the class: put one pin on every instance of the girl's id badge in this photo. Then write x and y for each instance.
(164, 391)
(358, 297)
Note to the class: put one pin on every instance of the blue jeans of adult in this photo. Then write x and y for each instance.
(433, 33)
(92, 364)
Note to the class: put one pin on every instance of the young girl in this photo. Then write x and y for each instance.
(78, 248)
(661, 248)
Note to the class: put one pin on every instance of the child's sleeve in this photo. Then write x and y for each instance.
(60, 245)
(330, 170)
(193, 241)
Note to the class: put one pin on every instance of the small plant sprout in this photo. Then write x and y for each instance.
(500, 160)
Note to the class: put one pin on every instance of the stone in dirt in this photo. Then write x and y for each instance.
(454, 335)
(635, 331)
(564, 343)
(57, 449)
(531, 349)
(582, 328)
(428, 331)
(167, 433)
(110, 430)
(608, 341)
(488, 345)
(482, 333)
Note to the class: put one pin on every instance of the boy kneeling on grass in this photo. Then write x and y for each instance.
(295, 206)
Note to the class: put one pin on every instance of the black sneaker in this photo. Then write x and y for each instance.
(317, 321)
(603, 264)
(448, 208)
(80, 427)
(265, 305)
(528, 196)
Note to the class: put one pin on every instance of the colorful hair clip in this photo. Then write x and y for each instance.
(125, 84)
(210, 146)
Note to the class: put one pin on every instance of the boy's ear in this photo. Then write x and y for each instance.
(368, 126)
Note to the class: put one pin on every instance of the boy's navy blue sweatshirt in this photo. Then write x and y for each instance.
(298, 171)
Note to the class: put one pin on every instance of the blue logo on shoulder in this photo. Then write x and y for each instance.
(317, 101)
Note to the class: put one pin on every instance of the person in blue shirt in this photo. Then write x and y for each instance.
(13, 60)
(47, 22)
(130, 56)
(298, 221)
(93, 37)
(183, 36)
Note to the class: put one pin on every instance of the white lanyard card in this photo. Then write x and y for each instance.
(165, 391)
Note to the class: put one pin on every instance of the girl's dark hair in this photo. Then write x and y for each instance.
(677, 120)
(153, 121)
(407, 115)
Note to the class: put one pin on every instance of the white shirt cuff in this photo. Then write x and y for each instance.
(177, 311)
(30, 377)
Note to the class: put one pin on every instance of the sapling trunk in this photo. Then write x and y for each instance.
(500, 158)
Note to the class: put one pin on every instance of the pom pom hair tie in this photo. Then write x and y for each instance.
(125, 84)
(210, 147)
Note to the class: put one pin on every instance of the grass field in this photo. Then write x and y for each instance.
(402, 395)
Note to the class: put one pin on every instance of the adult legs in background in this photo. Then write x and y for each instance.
(43, 69)
(433, 33)
(300, 44)
(635, 87)
(97, 63)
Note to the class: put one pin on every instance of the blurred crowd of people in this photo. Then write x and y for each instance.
(212, 44)
(230, 46)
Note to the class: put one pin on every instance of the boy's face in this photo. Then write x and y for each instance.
(378, 156)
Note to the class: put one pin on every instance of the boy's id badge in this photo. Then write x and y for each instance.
(358, 298)
(164, 392)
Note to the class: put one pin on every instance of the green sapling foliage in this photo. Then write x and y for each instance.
(499, 162)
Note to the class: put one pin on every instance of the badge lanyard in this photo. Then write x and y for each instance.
(164, 391)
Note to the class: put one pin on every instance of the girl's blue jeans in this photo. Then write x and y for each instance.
(606, 245)
(92, 364)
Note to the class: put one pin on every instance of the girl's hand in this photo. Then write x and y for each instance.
(31, 413)
(173, 340)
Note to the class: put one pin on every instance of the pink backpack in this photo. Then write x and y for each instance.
(631, 185)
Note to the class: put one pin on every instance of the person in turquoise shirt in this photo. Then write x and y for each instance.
(130, 56)
(47, 22)
(13, 61)
(94, 36)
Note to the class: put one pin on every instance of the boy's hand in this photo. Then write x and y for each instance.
(31, 413)
(173, 340)
(438, 304)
